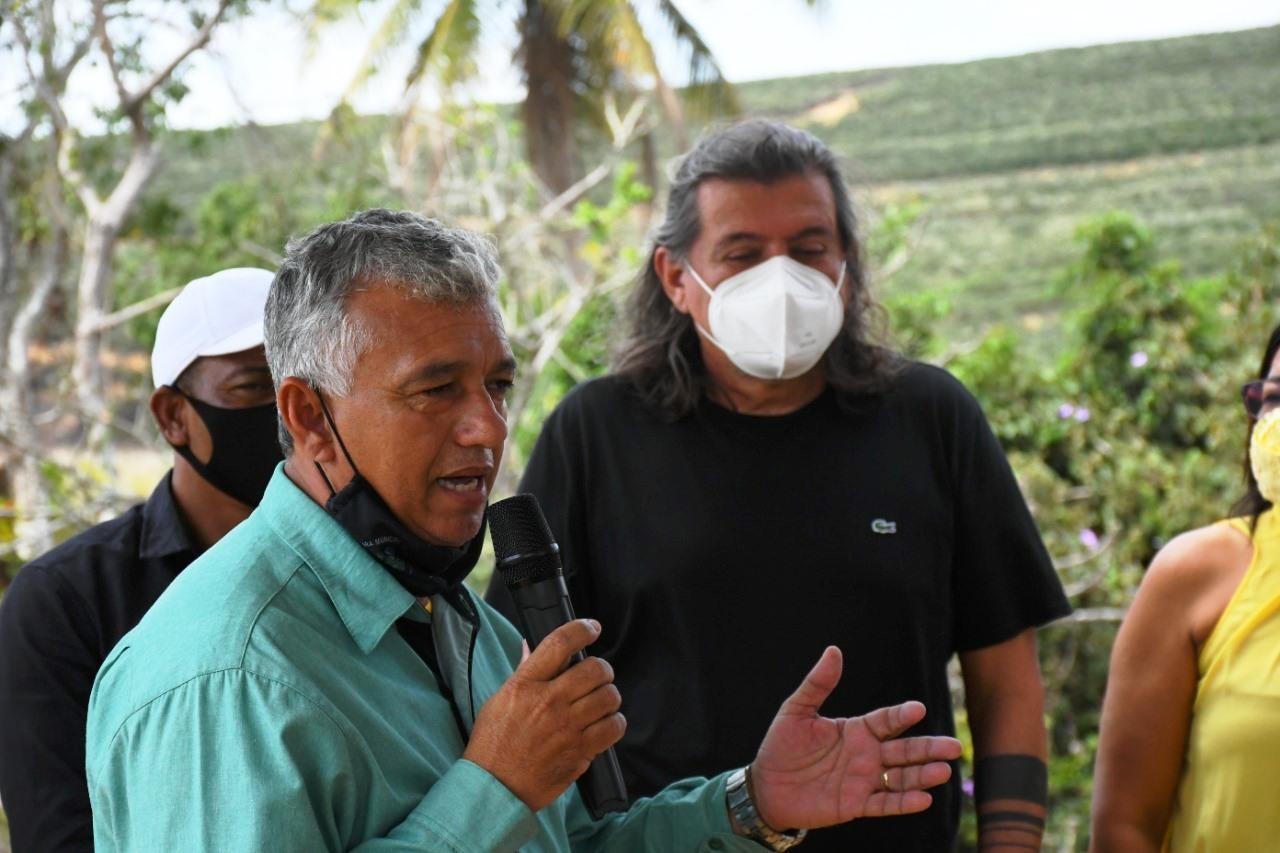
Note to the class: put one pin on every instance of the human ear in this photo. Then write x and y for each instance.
(670, 272)
(300, 410)
(169, 408)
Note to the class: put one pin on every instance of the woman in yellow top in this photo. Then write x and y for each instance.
(1190, 738)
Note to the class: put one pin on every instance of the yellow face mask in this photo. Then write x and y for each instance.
(1264, 455)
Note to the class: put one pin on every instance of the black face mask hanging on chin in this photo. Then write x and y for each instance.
(246, 449)
(421, 568)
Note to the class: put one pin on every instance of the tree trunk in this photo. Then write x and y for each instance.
(33, 523)
(549, 110)
(8, 265)
(92, 295)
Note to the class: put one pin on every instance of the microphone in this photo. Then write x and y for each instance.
(528, 560)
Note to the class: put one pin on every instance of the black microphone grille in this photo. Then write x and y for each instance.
(523, 546)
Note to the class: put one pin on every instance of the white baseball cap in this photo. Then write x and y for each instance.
(215, 315)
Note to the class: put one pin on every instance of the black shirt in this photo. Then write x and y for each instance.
(59, 619)
(722, 552)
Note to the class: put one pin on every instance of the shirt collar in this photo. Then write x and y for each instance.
(368, 599)
(163, 531)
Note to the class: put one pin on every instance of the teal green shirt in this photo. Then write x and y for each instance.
(265, 703)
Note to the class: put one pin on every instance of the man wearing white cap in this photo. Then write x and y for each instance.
(215, 406)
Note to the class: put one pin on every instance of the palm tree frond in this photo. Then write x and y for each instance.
(390, 33)
(707, 85)
(449, 50)
(322, 13)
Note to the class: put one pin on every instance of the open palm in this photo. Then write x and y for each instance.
(813, 771)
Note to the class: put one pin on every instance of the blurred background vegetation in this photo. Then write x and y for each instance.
(1087, 238)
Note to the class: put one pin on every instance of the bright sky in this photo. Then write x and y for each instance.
(260, 69)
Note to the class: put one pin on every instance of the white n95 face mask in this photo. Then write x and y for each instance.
(776, 319)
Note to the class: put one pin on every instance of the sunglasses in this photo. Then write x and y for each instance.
(1260, 396)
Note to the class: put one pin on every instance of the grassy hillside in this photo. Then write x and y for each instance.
(1053, 108)
(1007, 155)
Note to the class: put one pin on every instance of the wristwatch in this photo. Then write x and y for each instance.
(738, 798)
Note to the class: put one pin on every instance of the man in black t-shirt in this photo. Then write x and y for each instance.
(758, 480)
(65, 611)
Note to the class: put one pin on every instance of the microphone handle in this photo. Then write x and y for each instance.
(541, 607)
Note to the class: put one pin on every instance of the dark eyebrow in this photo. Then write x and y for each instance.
(432, 371)
(248, 371)
(437, 370)
(813, 231)
(735, 237)
(739, 236)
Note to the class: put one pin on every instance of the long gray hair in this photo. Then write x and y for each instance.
(660, 355)
(309, 333)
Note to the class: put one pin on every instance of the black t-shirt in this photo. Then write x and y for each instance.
(59, 619)
(723, 552)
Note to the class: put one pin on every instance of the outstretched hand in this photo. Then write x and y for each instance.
(813, 771)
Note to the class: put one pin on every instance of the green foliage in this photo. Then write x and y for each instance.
(1131, 436)
(610, 246)
(244, 220)
(1115, 243)
(914, 319)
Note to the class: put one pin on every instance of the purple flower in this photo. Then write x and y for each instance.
(1138, 359)
(966, 785)
(1089, 539)
(1082, 415)
(1066, 410)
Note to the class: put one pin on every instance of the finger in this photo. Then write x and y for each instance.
(817, 685)
(918, 778)
(894, 803)
(604, 733)
(582, 678)
(886, 723)
(596, 705)
(553, 653)
(918, 750)
(524, 650)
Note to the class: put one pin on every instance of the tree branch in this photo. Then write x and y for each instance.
(50, 95)
(142, 165)
(109, 51)
(137, 309)
(1098, 614)
(200, 39)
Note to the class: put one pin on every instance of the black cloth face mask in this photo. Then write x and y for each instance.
(422, 568)
(246, 449)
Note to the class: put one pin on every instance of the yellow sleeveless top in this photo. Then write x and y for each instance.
(1227, 797)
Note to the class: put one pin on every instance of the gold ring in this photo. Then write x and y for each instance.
(884, 779)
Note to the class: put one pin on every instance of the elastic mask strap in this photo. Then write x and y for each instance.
(192, 401)
(202, 468)
(333, 426)
(840, 278)
(699, 280)
(706, 334)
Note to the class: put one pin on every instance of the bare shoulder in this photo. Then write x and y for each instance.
(1195, 575)
(1201, 556)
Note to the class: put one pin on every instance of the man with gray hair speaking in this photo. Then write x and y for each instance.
(265, 703)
